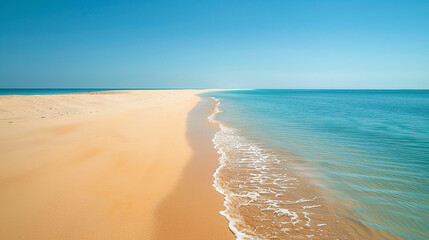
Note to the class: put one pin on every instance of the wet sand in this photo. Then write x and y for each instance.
(106, 166)
(191, 211)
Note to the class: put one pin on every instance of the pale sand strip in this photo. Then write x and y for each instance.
(90, 166)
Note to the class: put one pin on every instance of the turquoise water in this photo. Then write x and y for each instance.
(369, 148)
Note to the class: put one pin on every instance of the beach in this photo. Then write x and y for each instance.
(108, 165)
(213, 164)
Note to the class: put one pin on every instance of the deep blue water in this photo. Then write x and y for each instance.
(370, 148)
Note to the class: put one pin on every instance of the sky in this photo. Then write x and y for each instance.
(215, 44)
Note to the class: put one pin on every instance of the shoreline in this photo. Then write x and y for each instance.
(194, 204)
(231, 221)
(96, 166)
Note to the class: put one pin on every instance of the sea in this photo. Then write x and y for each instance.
(323, 164)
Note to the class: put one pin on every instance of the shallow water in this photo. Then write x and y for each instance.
(288, 156)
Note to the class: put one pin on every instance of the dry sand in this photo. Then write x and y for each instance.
(99, 166)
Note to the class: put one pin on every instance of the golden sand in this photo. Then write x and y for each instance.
(95, 165)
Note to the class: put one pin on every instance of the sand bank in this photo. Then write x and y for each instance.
(94, 165)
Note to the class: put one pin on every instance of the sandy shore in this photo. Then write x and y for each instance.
(102, 166)
(179, 214)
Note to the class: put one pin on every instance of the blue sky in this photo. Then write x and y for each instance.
(214, 44)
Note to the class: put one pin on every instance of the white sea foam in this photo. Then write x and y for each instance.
(232, 222)
(305, 207)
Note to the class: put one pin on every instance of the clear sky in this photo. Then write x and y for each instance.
(214, 44)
